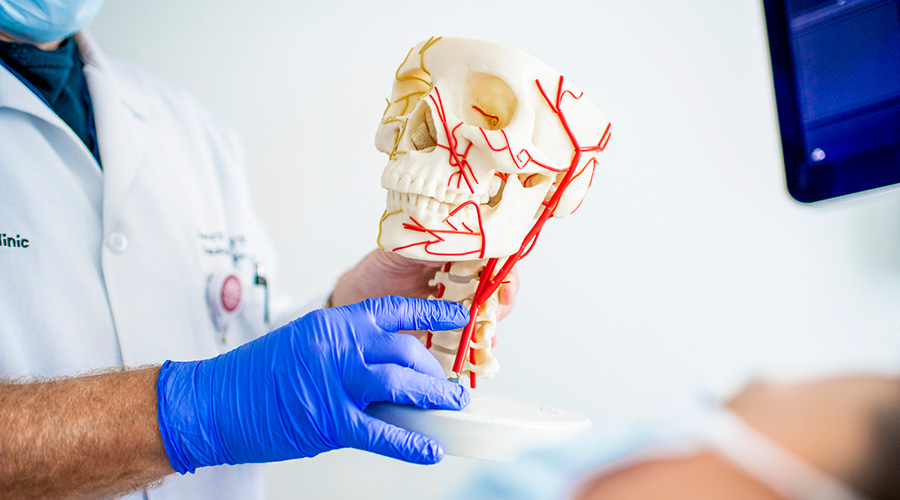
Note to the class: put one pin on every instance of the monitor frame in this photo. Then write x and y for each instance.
(808, 181)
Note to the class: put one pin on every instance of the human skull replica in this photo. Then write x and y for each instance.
(485, 143)
(476, 147)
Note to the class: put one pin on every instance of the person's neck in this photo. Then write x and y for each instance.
(6, 37)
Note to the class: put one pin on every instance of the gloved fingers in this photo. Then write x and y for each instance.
(394, 313)
(377, 436)
(398, 384)
(400, 349)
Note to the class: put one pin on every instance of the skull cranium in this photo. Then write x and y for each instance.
(480, 137)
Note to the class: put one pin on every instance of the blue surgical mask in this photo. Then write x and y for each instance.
(42, 21)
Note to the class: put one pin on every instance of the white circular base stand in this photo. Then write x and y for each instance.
(490, 428)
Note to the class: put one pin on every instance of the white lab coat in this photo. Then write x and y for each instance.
(110, 267)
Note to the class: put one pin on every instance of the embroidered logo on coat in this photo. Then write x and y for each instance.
(218, 243)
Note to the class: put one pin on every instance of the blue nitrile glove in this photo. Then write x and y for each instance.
(301, 390)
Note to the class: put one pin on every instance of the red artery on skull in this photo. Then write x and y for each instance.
(436, 236)
(472, 181)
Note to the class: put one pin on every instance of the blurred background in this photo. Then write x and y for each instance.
(687, 269)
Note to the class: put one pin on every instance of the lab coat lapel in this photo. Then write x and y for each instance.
(15, 95)
(120, 116)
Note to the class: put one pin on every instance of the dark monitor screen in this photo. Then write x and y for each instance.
(836, 68)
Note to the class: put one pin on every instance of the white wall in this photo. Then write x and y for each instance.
(687, 265)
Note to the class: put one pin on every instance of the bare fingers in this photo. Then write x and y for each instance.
(507, 294)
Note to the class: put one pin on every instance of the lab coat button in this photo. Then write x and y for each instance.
(117, 242)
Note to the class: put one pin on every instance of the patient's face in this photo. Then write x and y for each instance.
(828, 423)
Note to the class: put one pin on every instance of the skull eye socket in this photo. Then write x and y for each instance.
(409, 88)
(489, 102)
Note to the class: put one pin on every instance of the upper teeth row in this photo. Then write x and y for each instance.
(416, 204)
(428, 210)
(429, 188)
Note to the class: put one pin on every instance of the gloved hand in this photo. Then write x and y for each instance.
(301, 390)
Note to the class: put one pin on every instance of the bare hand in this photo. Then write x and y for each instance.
(383, 273)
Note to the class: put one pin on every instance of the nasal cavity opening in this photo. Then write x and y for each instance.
(421, 130)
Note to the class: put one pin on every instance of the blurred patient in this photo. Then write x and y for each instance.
(828, 439)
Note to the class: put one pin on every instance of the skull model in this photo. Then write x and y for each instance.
(485, 144)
